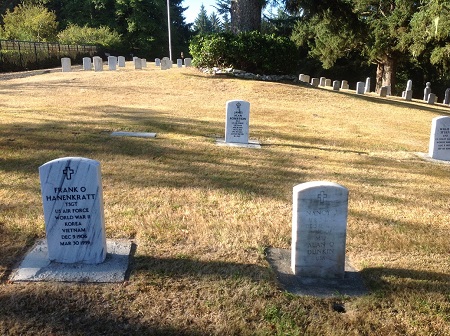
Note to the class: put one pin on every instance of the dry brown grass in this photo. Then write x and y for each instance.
(202, 215)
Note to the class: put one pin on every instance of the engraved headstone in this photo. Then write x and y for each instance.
(439, 148)
(427, 91)
(383, 91)
(112, 62)
(87, 64)
(322, 81)
(98, 63)
(327, 82)
(179, 63)
(73, 209)
(344, 85)
(166, 63)
(408, 95)
(336, 85)
(319, 225)
(367, 85)
(121, 61)
(360, 87)
(304, 78)
(187, 62)
(66, 64)
(315, 82)
(157, 62)
(237, 121)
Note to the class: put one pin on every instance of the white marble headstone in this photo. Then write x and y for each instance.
(112, 62)
(98, 63)
(344, 85)
(304, 78)
(87, 64)
(439, 148)
(367, 85)
(336, 85)
(426, 91)
(322, 81)
(408, 95)
(121, 61)
(157, 62)
(360, 87)
(179, 63)
(66, 64)
(144, 62)
(137, 63)
(319, 225)
(431, 99)
(73, 209)
(327, 82)
(237, 121)
(166, 63)
(315, 82)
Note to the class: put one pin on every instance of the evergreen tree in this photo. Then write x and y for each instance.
(202, 23)
(216, 24)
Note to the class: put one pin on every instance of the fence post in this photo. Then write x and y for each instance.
(35, 53)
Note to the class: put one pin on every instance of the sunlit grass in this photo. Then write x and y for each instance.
(202, 215)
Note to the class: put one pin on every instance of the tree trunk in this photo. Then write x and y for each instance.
(245, 15)
(386, 73)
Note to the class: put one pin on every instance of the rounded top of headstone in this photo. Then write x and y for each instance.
(428, 84)
(72, 158)
(317, 184)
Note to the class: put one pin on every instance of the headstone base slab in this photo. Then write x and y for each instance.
(280, 261)
(427, 157)
(134, 134)
(36, 267)
(251, 144)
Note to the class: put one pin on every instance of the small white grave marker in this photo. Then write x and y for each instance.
(157, 62)
(73, 209)
(112, 63)
(344, 85)
(87, 64)
(360, 87)
(143, 62)
(179, 63)
(98, 63)
(319, 225)
(322, 81)
(121, 61)
(137, 63)
(336, 85)
(367, 85)
(66, 64)
(315, 82)
(439, 148)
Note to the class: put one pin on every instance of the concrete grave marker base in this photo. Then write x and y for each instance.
(37, 267)
(427, 157)
(251, 144)
(350, 285)
(134, 134)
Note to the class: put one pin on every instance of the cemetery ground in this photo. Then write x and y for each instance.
(201, 216)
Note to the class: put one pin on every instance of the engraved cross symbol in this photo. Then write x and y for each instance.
(322, 196)
(68, 172)
(238, 105)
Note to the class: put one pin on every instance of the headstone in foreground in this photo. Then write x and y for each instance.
(112, 63)
(187, 62)
(73, 210)
(98, 63)
(319, 225)
(360, 87)
(121, 61)
(87, 64)
(66, 64)
(439, 148)
(237, 121)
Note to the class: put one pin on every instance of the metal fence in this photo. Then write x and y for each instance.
(25, 55)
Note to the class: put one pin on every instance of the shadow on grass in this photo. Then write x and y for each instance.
(77, 310)
(394, 279)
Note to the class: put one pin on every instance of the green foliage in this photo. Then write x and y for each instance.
(253, 51)
(30, 23)
(103, 36)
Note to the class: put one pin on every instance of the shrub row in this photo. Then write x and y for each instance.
(251, 51)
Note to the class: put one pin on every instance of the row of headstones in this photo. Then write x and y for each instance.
(75, 227)
(97, 63)
(364, 87)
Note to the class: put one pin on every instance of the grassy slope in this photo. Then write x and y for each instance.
(201, 215)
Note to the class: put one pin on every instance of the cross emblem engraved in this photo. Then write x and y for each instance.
(238, 105)
(322, 196)
(68, 172)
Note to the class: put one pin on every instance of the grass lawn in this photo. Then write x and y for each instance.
(202, 215)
